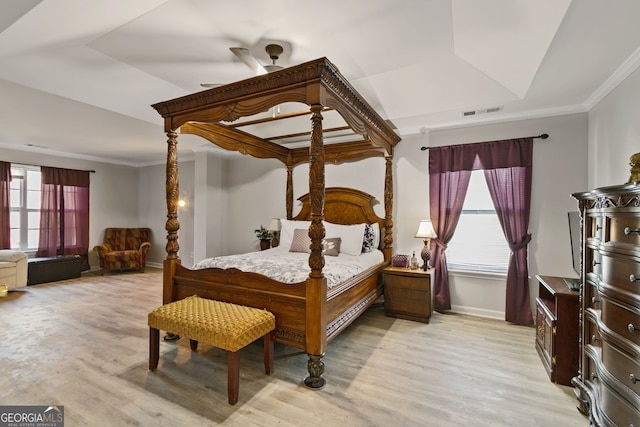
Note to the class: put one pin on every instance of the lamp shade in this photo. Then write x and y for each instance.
(274, 225)
(425, 230)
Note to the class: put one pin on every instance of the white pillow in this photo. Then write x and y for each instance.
(351, 235)
(287, 227)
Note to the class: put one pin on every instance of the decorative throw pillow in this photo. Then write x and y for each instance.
(376, 233)
(331, 246)
(369, 241)
(287, 226)
(351, 235)
(300, 241)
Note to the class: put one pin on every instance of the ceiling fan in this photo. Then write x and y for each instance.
(273, 50)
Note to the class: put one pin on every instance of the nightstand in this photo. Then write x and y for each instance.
(407, 293)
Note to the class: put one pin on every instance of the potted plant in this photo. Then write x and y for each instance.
(265, 237)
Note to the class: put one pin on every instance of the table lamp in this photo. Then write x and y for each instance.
(426, 232)
(274, 227)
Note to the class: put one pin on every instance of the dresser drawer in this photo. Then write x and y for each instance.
(590, 369)
(622, 366)
(592, 263)
(592, 297)
(612, 407)
(624, 321)
(617, 409)
(621, 273)
(622, 228)
(594, 225)
(591, 330)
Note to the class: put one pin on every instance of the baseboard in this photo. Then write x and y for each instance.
(480, 312)
(96, 269)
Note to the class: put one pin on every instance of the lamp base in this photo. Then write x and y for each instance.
(425, 255)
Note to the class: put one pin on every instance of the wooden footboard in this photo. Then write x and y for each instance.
(286, 301)
(350, 299)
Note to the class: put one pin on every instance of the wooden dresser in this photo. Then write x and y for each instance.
(557, 328)
(608, 383)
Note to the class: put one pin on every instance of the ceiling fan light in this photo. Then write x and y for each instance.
(273, 67)
(274, 51)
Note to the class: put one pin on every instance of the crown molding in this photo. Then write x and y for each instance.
(618, 76)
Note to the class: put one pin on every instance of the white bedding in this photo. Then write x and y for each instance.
(293, 267)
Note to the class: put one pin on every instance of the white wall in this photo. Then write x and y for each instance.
(113, 192)
(614, 134)
(152, 210)
(255, 193)
(209, 206)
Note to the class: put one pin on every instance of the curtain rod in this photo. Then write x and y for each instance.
(541, 136)
(39, 166)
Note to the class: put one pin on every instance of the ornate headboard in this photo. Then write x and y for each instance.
(343, 206)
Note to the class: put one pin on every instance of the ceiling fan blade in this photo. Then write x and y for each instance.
(210, 85)
(245, 56)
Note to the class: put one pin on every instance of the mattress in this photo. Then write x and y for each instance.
(293, 267)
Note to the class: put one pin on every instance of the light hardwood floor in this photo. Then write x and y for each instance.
(83, 344)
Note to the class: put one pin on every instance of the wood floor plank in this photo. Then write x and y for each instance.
(83, 343)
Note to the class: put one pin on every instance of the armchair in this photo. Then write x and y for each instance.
(124, 249)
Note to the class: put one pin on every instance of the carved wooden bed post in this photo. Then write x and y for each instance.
(316, 321)
(388, 209)
(172, 225)
(289, 194)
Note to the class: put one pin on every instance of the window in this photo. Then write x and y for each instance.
(478, 243)
(25, 208)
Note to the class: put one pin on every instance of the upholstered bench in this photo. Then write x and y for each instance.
(52, 269)
(223, 325)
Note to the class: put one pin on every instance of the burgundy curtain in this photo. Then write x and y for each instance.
(510, 189)
(5, 205)
(64, 216)
(507, 166)
(451, 189)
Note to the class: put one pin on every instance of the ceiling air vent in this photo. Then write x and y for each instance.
(481, 111)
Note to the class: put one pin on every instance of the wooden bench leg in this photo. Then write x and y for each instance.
(233, 376)
(268, 353)
(154, 348)
(193, 344)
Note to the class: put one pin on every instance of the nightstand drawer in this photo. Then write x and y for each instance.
(407, 282)
(408, 301)
(407, 294)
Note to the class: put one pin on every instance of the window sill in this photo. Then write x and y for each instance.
(489, 275)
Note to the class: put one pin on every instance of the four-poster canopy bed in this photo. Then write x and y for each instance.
(308, 314)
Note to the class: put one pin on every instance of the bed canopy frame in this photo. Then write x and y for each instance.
(226, 116)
